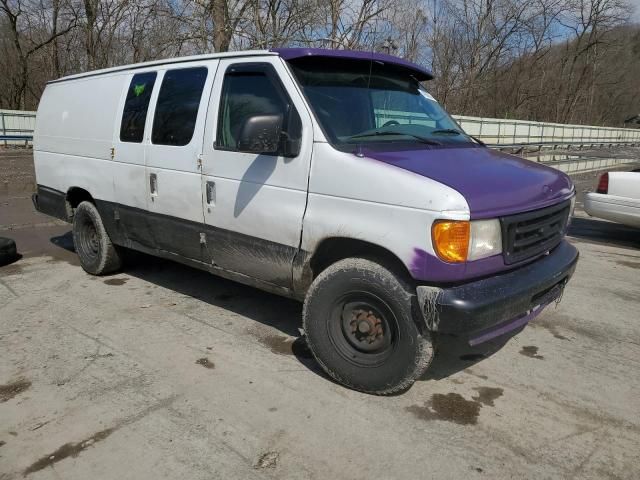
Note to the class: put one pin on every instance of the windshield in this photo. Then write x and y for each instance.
(361, 102)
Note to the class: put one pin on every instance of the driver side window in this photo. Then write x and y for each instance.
(246, 93)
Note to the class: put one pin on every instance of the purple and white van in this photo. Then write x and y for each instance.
(328, 176)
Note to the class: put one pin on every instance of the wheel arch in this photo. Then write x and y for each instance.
(333, 249)
(75, 195)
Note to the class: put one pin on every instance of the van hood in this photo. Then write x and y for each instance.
(493, 183)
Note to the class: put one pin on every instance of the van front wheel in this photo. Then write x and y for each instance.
(358, 319)
(97, 254)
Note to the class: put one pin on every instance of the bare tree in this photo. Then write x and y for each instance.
(557, 60)
(274, 23)
(225, 15)
(27, 42)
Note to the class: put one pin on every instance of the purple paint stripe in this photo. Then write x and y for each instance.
(507, 327)
(424, 266)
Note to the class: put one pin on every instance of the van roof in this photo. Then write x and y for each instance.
(286, 53)
(165, 61)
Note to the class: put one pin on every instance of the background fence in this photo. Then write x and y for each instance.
(498, 132)
(16, 128)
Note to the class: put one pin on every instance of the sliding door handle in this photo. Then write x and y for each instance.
(211, 193)
(153, 184)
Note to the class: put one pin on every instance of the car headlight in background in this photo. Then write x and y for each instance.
(457, 241)
(572, 208)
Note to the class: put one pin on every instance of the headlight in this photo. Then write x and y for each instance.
(486, 239)
(457, 241)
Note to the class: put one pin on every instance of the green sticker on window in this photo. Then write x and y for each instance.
(138, 89)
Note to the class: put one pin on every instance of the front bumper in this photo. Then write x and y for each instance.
(488, 308)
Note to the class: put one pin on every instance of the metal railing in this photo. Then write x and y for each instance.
(501, 133)
(16, 127)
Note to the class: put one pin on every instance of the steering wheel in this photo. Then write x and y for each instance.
(391, 122)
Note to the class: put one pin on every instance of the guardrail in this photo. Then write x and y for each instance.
(16, 127)
(15, 139)
(518, 148)
(499, 133)
(503, 133)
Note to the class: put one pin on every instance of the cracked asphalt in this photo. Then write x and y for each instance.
(162, 371)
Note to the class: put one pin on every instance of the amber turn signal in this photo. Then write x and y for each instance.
(451, 240)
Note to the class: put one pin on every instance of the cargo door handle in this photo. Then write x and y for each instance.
(211, 193)
(153, 184)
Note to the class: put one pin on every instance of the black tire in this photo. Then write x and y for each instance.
(359, 323)
(98, 256)
(8, 251)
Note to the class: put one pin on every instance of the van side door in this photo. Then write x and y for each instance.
(255, 203)
(133, 125)
(173, 182)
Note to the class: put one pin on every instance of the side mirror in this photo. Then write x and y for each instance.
(261, 134)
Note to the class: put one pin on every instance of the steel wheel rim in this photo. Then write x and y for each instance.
(363, 329)
(89, 243)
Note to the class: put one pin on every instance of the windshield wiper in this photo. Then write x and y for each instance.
(480, 142)
(374, 134)
(450, 131)
(458, 132)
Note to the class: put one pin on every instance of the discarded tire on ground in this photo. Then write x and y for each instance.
(8, 251)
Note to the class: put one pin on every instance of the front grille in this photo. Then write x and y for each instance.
(529, 234)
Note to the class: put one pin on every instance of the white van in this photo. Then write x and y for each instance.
(332, 177)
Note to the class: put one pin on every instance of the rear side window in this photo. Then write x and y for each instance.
(136, 105)
(245, 94)
(177, 107)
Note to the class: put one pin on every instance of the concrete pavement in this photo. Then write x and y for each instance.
(163, 371)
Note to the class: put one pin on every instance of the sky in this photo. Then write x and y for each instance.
(636, 5)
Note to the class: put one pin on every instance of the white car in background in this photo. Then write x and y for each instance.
(617, 198)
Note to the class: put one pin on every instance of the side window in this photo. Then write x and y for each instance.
(247, 92)
(136, 105)
(177, 107)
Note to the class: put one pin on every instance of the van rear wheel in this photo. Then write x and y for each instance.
(97, 254)
(358, 319)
